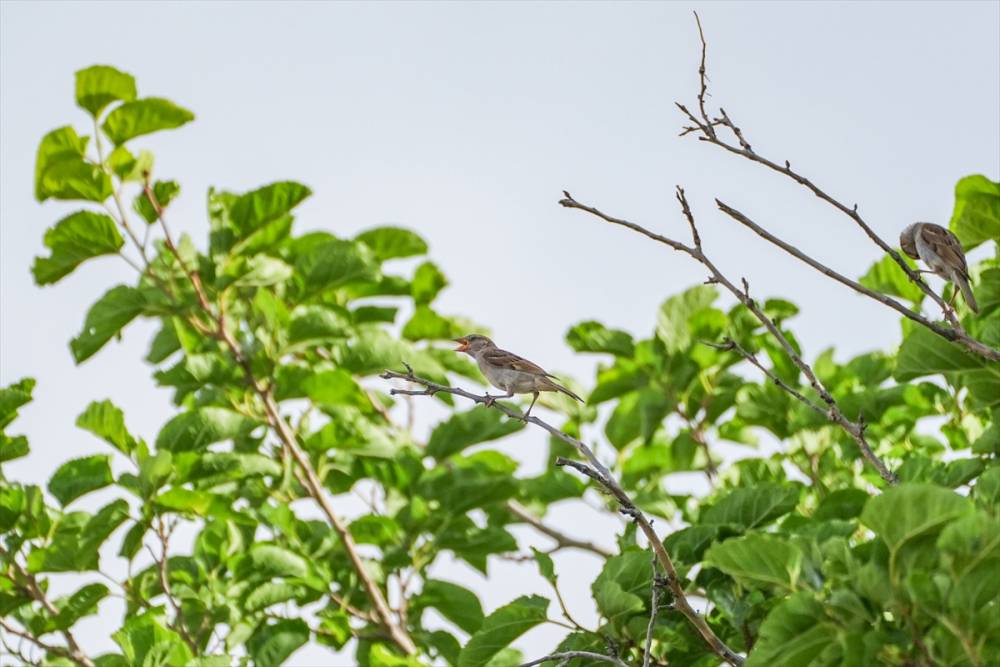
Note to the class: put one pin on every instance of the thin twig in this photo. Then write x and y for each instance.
(599, 473)
(833, 412)
(161, 564)
(564, 541)
(569, 655)
(654, 605)
(705, 127)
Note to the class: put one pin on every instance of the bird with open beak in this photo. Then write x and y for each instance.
(509, 372)
(942, 252)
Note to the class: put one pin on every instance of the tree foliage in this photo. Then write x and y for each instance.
(270, 339)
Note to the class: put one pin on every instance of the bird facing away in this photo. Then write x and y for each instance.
(505, 370)
(942, 252)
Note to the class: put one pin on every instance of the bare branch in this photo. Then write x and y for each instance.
(562, 540)
(705, 128)
(947, 333)
(833, 412)
(599, 473)
(654, 610)
(569, 655)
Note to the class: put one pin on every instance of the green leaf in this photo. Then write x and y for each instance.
(119, 306)
(472, 481)
(392, 242)
(622, 586)
(261, 271)
(428, 325)
(502, 627)
(128, 167)
(794, 634)
(925, 353)
(976, 217)
(99, 85)
(73, 240)
(592, 336)
(163, 191)
(377, 530)
(842, 504)
(673, 322)
(750, 507)
(758, 559)
(12, 397)
(907, 511)
(144, 116)
(887, 277)
(146, 643)
(987, 489)
(270, 560)
(107, 422)
(56, 146)
(427, 282)
(254, 209)
(316, 324)
(456, 603)
(62, 172)
(81, 603)
(271, 593)
(546, 567)
(464, 429)
(196, 429)
(334, 263)
(79, 476)
(273, 643)
(77, 538)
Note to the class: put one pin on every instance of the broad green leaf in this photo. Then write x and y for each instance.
(501, 628)
(428, 325)
(464, 429)
(58, 145)
(987, 489)
(198, 428)
(427, 282)
(688, 545)
(377, 530)
(220, 466)
(478, 480)
(163, 191)
(262, 271)
(271, 593)
(622, 587)
(80, 476)
(546, 567)
(269, 560)
(81, 603)
(188, 501)
(392, 242)
(456, 603)
(12, 505)
(144, 116)
(130, 167)
(77, 538)
(334, 263)
(98, 86)
(106, 421)
(317, 324)
(273, 643)
(13, 448)
(842, 504)
(794, 634)
(758, 559)
(74, 239)
(673, 322)
(145, 642)
(887, 277)
(908, 511)
(753, 506)
(381, 655)
(976, 217)
(12, 397)
(254, 209)
(591, 336)
(119, 306)
(925, 353)
(62, 172)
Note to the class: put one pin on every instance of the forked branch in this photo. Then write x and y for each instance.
(856, 430)
(600, 474)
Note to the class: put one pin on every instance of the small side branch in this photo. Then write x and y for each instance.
(597, 471)
(569, 655)
(654, 610)
(562, 540)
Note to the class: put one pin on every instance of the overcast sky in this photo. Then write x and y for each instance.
(465, 122)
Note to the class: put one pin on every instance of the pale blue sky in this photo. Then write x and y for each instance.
(465, 122)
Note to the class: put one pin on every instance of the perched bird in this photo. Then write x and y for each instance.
(505, 370)
(942, 252)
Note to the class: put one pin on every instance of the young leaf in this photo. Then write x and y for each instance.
(99, 85)
(392, 242)
(196, 429)
(258, 207)
(427, 282)
(81, 603)
(79, 476)
(12, 397)
(61, 171)
(144, 116)
(163, 191)
(272, 643)
(592, 336)
(119, 306)
(106, 421)
(73, 240)
(502, 627)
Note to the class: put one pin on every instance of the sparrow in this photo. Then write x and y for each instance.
(942, 252)
(505, 370)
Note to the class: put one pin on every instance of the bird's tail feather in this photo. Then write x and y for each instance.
(559, 387)
(963, 284)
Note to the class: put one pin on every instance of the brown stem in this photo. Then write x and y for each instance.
(161, 564)
(278, 424)
(600, 473)
(564, 541)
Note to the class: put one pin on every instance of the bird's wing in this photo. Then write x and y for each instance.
(510, 361)
(947, 246)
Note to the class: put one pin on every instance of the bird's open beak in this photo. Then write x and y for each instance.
(463, 344)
